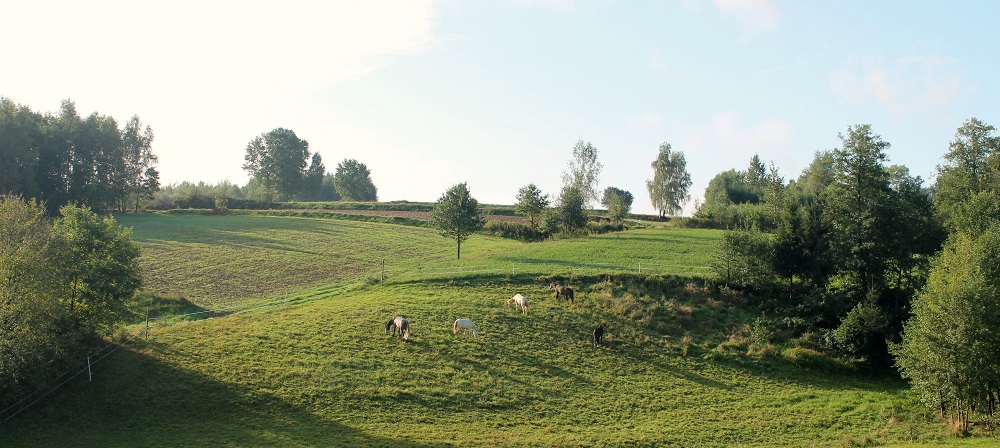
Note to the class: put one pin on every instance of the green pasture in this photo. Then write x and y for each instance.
(314, 369)
(322, 373)
(221, 261)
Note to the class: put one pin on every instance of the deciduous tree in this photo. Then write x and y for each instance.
(668, 190)
(584, 171)
(531, 202)
(456, 214)
(277, 160)
(353, 181)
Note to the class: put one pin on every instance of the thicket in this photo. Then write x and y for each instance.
(64, 286)
(844, 252)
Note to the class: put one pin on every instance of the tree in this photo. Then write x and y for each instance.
(612, 192)
(950, 350)
(456, 214)
(967, 169)
(277, 160)
(19, 132)
(858, 206)
(531, 202)
(99, 269)
(353, 181)
(138, 163)
(570, 214)
(312, 183)
(584, 171)
(29, 309)
(618, 202)
(669, 188)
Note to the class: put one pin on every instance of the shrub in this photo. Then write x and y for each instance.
(514, 230)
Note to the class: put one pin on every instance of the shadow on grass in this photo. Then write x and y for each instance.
(155, 404)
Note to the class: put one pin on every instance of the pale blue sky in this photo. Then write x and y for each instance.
(496, 93)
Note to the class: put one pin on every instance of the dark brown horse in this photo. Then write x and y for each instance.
(599, 335)
(562, 291)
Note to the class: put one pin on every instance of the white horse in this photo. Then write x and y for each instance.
(521, 301)
(465, 325)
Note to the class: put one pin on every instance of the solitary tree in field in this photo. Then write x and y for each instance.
(669, 188)
(456, 214)
(584, 171)
(531, 202)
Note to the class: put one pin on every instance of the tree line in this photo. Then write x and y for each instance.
(889, 272)
(456, 213)
(64, 159)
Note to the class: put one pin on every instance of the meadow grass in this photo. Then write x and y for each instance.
(220, 261)
(676, 368)
(322, 373)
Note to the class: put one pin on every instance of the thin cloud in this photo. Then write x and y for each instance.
(905, 86)
(756, 15)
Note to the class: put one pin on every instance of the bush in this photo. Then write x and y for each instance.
(514, 230)
(813, 360)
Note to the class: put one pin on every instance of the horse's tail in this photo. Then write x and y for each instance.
(455, 330)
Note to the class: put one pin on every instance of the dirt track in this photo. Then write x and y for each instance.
(425, 216)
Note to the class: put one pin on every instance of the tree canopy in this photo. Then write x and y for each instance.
(531, 202)
(277, 160)
(456, 214)
(65, 159)
(668, 190)
(584, 171)
(353, 181)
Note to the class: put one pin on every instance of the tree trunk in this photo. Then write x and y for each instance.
(459, 248)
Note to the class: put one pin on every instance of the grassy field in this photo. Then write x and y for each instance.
(320, 372)
(219, 261)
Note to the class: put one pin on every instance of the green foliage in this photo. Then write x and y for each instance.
(312, 180)
(65, 159)
(514, 230)
(861, 333)
(859, 208)
(744, 259)
(970, 166)
(531, 203)
(277, 160)
(583, 172)
(950, 348)
(353, 181)
(456, 215)
(618, 202)
(62, 286)
(570, 213)
(668, 190)
(99, 268)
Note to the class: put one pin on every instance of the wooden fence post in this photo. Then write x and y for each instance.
(90, 375)
(382, 277)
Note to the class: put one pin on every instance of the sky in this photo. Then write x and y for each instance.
(429, 94)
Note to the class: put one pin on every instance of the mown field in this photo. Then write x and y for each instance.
(320, 372)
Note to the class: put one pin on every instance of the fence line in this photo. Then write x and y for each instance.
(316, 293)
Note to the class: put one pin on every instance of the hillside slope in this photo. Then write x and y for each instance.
(324, 374)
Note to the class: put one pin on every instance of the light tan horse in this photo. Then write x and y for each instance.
(465, 325)
(520, 301)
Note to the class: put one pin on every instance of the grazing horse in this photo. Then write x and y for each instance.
(465, 325)
(598, 335)
(399, 323)
(521, 301)
(562, 291)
